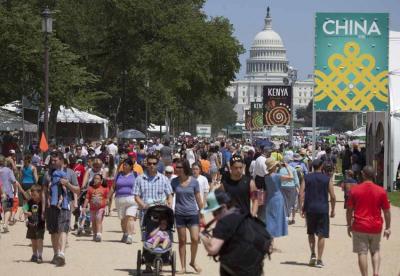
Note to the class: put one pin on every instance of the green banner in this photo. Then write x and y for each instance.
(257, 115)
(351, 62)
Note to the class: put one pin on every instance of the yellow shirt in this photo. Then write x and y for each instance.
(277, 156)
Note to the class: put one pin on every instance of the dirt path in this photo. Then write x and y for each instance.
(114, 258)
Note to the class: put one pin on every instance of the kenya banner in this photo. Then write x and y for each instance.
(247, 119)
(277, 101)
(257, 115)
(351, 62)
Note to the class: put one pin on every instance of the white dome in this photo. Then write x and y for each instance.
(267, 38)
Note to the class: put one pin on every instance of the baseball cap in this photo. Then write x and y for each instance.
(169, 169)
(132, 154)
(215, 200)
(12, 151)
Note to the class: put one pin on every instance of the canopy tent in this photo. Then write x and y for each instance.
(156, 129)
(12, 122)
(360, 132)
(131, 134)
(72, 123)
(185, 133)
(278, 131)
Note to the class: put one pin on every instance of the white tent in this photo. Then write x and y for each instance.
(68, 115)
(360, 132)
(394, 87)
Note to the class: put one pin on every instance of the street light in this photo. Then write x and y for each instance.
(47, 28)
(292, 77)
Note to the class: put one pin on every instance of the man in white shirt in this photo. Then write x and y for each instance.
(260, 169)
(112, 148)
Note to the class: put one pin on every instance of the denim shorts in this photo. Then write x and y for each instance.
(186, 221)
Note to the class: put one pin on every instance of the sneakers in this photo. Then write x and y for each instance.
(60, 260)
(98, 238)
(39, 260)
(124, 237)
(313, 260)
(53, 261)
(319, 264)
(5, 229)
(34, 258)
(129, 239)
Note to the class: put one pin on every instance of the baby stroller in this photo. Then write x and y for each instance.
(156, 257)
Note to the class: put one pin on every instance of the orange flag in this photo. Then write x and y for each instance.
(43, 143)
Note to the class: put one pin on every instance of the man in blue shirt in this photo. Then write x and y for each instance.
(59, 215)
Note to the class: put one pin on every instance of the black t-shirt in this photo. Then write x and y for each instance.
(35, 220)
(226, 227)
(247, 162)
(239, 191)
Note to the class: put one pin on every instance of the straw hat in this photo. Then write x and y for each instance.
(271, 163)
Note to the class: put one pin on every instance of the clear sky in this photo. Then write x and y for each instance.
(293, 20)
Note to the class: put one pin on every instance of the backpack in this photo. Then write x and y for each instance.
(254, 245)
(328, 165)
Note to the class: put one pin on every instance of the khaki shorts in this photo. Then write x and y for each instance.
(126, 206)
(362, 242)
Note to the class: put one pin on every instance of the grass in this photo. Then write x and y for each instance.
(394, 198)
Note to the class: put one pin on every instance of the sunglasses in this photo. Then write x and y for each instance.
(178, 167)
(168, 172)
(151, 163)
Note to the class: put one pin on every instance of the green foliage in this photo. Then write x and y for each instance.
(114, 56)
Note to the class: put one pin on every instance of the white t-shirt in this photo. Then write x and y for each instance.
(190, 156)
(260, 169)
(204, 187)
(112, 149)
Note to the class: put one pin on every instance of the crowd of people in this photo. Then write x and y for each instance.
(73, 189)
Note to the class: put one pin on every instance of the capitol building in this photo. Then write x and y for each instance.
(267, 65)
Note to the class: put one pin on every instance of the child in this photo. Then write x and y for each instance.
(35, 223)
(347, 184)
(62, 191)
(160, 236)
(97, 199)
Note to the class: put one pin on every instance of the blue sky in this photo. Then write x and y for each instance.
(293, 20)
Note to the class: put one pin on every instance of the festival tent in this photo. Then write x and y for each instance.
(360, 132)
(72, 123)
(12, 122)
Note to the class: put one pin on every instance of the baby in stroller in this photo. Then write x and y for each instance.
(159, 237)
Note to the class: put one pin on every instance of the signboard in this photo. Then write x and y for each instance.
(351, 62)
(203, 130)
(256, 109)
(277, 101)
(247, 119)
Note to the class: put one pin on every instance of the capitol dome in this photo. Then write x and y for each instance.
(267, 55)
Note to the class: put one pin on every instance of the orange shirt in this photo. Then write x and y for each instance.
(205, 165)
(97, 197)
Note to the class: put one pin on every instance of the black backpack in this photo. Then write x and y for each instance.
(255, 245)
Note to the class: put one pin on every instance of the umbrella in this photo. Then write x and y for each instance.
(131, 134)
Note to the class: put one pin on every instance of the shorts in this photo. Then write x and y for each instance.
(318, 224)
(362, 242)
(126, 206)
(8, 204)
(35, 233)
(98, 214)
(186, 221)
(58, 220)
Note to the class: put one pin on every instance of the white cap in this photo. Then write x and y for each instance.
(169, 169)
(12, 151)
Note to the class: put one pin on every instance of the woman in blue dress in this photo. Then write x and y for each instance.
(277, 224)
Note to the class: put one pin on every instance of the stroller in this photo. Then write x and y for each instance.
(156, 257)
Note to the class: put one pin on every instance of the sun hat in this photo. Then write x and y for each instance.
(297, 157)
(215, 200)
(271, 163)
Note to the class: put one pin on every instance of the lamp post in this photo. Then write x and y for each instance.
(292, 76)
(47, 28)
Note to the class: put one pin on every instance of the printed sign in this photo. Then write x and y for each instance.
(256, 109)
(277, 101)
(351, 62)
(203, 130)
(247, 119)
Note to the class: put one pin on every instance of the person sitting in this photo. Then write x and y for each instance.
(159, 237)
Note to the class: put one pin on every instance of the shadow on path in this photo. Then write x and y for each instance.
(294, 263)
